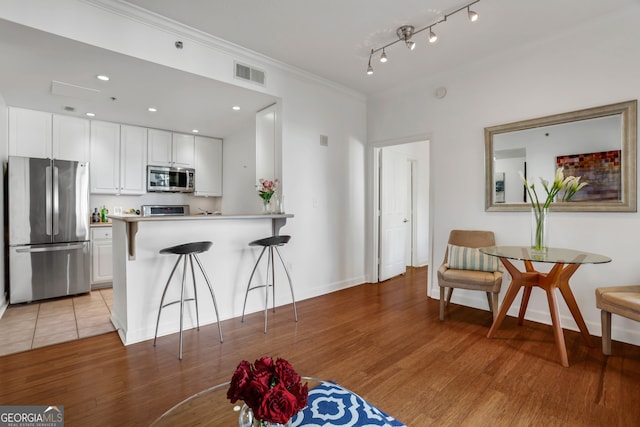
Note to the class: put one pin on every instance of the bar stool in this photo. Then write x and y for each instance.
(269, 243)
(190, 251)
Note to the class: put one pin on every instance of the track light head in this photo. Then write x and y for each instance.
(405, 33)
(383, 56)
(432, 36)
(473, 16)
(370, 68)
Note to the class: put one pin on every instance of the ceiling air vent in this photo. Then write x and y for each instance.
(248, 73)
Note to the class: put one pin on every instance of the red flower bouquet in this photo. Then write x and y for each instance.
(272, 389)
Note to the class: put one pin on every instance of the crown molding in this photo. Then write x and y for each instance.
(162, 23)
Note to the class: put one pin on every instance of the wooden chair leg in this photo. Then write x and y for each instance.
(494, 304)
(605, 319)
(450, 291)
(441, 303)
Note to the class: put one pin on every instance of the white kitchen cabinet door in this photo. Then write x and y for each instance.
(101, 255)
(208, 166)
(133, 160)
(183, 150)
(159, 147)
(29, 133)
(71, 136)
(105, 157)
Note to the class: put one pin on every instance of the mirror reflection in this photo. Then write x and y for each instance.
(597, 144)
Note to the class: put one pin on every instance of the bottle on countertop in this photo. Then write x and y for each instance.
(103, 214)
(95, 217)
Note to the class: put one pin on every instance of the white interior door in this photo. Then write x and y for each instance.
(393, 207)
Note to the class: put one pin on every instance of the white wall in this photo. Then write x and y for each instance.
(595, 64)
(4, 156)
(323, 186)
(239, 173)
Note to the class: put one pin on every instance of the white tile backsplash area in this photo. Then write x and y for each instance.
(210, 204)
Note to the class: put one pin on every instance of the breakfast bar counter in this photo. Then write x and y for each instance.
(140, 271)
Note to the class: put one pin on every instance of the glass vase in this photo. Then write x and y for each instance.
(539, 229)
(246, 419)
(266, 206)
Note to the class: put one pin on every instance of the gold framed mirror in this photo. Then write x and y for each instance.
(599, 144)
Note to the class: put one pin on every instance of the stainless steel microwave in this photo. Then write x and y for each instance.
(170, 179)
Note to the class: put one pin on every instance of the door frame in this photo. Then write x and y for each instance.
(372, 240)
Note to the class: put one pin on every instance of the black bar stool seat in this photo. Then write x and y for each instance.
(271, 244)
(184, 251)
(188, 248)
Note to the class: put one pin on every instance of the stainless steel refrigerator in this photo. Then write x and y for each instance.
(48, 205)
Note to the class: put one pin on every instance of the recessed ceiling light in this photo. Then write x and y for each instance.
(90, 114)
(195, 130)
(152, 109)
(236, 108)
(102, 77)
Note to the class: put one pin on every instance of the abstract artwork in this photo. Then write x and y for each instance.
(601, 170)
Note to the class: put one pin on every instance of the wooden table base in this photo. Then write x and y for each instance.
(557, 278)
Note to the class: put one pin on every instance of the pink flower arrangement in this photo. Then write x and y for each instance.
(266, 188)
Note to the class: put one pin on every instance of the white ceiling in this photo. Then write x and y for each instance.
(329, 38)
(333, 38)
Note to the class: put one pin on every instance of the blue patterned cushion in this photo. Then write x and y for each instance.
(463, 258)
(331, 405)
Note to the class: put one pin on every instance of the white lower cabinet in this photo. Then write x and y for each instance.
(101, 257)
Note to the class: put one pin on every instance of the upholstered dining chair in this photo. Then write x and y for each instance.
(465, 267)
(621, 300)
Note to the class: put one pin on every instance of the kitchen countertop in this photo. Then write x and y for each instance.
(131, 222)
(100, 224)
(138, 218)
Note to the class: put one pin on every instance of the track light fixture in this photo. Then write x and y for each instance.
(432, 36)
(383, 57)
(406, 32)
(473, 16)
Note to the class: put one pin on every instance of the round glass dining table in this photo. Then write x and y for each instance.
(210, 407)
(565, 263)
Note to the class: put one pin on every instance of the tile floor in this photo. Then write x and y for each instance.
(28, 326)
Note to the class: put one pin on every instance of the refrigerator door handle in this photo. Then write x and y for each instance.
(50, 248)
(56, 202)
(47, 204)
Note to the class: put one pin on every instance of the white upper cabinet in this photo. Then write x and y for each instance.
(105, 157)
(118, 158)
(29, 133)
(159, 147)
(183, 150)
(45, 135)
(133, 160)
(171, 149)
(71, 137)
(208, 158)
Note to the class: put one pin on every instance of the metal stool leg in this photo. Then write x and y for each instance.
(162, 299)
(195, 291)
(266, 288)
(255, 267)
(215, 306)
(184, 276)
(295, 311)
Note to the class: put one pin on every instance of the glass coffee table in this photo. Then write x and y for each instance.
(565, 263)
(329, 404)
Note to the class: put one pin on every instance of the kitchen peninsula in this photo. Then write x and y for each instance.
(140, 272)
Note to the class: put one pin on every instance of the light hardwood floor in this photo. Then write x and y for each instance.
(383, 341)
